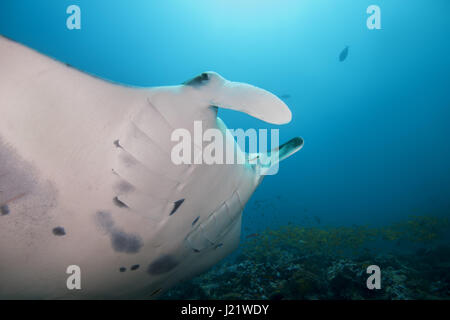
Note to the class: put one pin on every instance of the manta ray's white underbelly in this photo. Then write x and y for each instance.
(64, 209)
(86, 179)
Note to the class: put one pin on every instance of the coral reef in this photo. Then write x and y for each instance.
(294, 262)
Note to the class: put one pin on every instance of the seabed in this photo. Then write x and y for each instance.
(330, 263)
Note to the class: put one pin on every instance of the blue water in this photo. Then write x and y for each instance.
(376, 126)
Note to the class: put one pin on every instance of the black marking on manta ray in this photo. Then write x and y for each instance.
(134, 267)
(162, 265)
(198, 80)
(117, 144)
(21, 183)
(125, 242)
(218, 245)
(119, 203)
(124, 187)
(215, 108)
(4, 210)
(120, 241)
(105, 221)
(176, 205)
(195, 220)
(59, 231)
(122, 269)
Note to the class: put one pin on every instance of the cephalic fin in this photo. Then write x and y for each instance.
(242, 97)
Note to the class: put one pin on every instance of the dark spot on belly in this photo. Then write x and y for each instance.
(125, 242)
(120, 241)
(23, 190)
(117, 144)
(176, 205)
(162, 265)
(119, 203)
(195, 220)
(124, 187)
(122, 269)
(4, 210)
(135, 267)
(105, 221)
(59, 231)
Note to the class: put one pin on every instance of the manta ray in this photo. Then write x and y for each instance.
(86, 180)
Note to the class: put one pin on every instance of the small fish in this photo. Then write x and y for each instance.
(252, 235)
(344, 54)
(285, 96)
